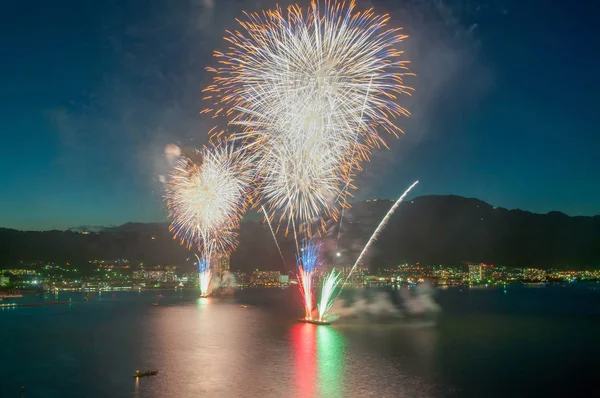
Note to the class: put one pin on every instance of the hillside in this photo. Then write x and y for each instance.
(427, 229)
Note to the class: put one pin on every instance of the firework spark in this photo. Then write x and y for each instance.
(308, 261)
(330, 283)
(300, 182)
(273, 233)
(206, 201)
(204, 276)
(309, 92)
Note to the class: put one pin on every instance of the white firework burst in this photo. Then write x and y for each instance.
(206, 201)
(310, 93)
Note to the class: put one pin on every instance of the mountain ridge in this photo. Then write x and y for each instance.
(431, 229)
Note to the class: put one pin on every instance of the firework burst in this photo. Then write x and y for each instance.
(301, 183)
(206, 201)
(309, 92)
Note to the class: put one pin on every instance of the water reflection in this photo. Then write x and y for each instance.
(202, 347)
(136, 392)
(202, 301)
(305, 357)
(319, 354)
(411, 345)
(331, 348)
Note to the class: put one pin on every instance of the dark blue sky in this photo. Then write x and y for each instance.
(92, 92)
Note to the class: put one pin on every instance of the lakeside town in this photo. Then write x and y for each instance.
(120, 274)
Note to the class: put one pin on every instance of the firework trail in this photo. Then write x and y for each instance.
(329, 285)
(273, 233)
(309, 91)
(379, 228)
(307, 261)
(204, 276)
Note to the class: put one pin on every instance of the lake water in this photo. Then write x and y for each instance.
(487, 342)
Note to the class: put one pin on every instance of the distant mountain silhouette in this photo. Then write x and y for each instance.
(427, 229)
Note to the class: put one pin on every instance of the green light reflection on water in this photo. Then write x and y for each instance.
(202, 302)
(331, 350)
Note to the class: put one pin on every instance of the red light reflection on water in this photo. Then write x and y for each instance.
(305, 358)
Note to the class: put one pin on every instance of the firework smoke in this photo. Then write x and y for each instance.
(416, 304)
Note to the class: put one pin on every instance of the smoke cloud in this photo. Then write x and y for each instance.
(417, 302)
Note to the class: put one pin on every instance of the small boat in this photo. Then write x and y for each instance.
(155, 304)
(12, 296)
(244, 306)
(89, 296)
(145, 373)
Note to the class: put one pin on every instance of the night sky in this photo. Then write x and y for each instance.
(92, 91)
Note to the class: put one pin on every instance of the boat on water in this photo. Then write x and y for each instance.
(89, 296)
(244, 306)
(139, 373)
(12, 296)
(314, 321)
(155, 304)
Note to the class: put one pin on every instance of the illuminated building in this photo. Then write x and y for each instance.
(358, 275)
(534, 274)
(221, 264)
(21, 271)
(139, 275)
(4, 280)
(480, 273)
(265, 278)
(241, 278)
(475, 273)
(154, 276)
